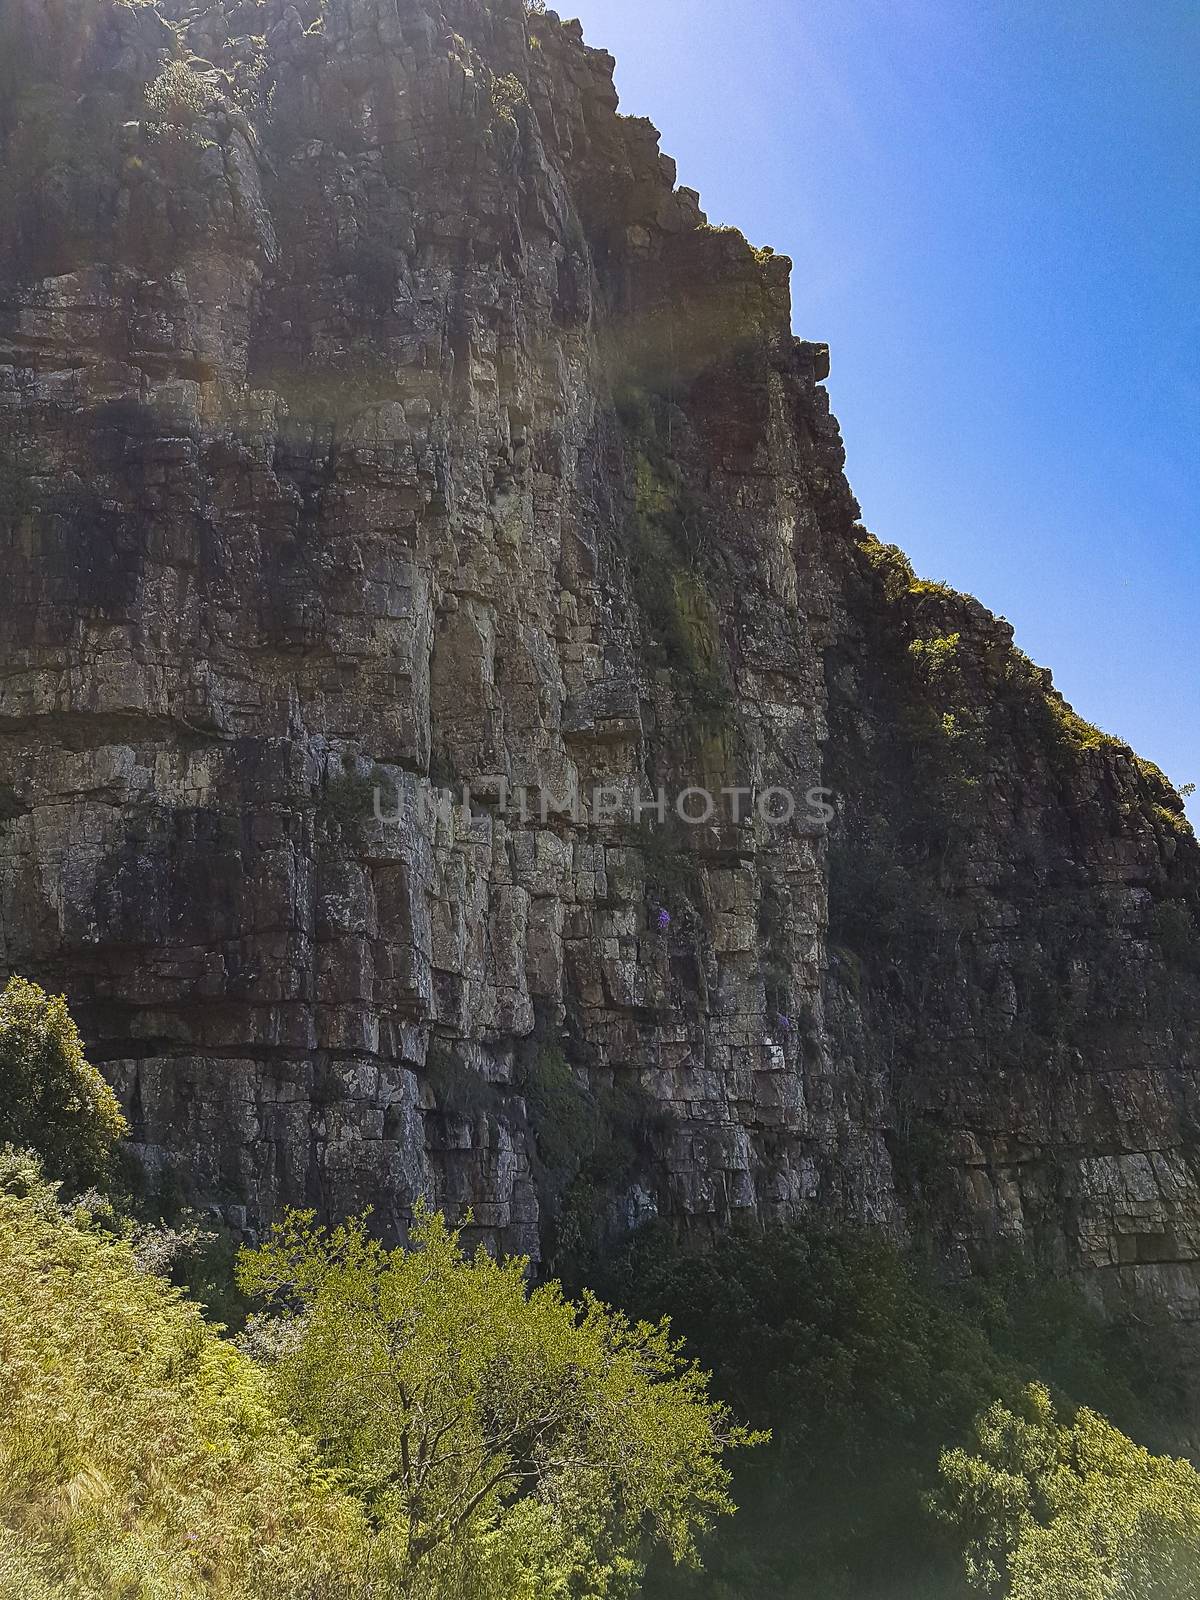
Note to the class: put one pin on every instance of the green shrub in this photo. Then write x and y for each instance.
(561, 1110)
(51, 1099)
(197, 1254)
(668, 556)
(589, 1138)
(508, 96)
(177, 96)
(935, 658)
(139, 1456)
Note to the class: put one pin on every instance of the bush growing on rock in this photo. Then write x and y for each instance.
(176, 96)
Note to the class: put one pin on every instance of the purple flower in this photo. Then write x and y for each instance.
(784, 1024)
(664, 921)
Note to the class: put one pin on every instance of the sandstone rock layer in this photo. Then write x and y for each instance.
(377, 414)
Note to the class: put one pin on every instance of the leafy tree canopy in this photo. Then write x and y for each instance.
(866, 1368)
(506, 1442)
(1049, 1510)
(51, 1099)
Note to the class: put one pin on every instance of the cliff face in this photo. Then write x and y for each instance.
(377, 414)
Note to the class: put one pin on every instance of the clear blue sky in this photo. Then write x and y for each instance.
(993, 207)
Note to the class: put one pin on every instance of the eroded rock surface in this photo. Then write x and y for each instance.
(378, 414)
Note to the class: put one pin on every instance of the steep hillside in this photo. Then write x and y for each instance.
(378, 415)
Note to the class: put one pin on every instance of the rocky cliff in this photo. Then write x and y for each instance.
(378, 417)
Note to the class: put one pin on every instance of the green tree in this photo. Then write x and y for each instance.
(140, 1456)
(863, 1375)
(51, 1099)
(506, 1442)
(1071, 1511)
(865, 1368)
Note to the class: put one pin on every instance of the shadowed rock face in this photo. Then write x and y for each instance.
(377, 413)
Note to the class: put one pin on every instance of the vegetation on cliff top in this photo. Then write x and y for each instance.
(925, 606)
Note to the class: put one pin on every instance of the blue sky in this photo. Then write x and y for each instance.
(993, 207)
